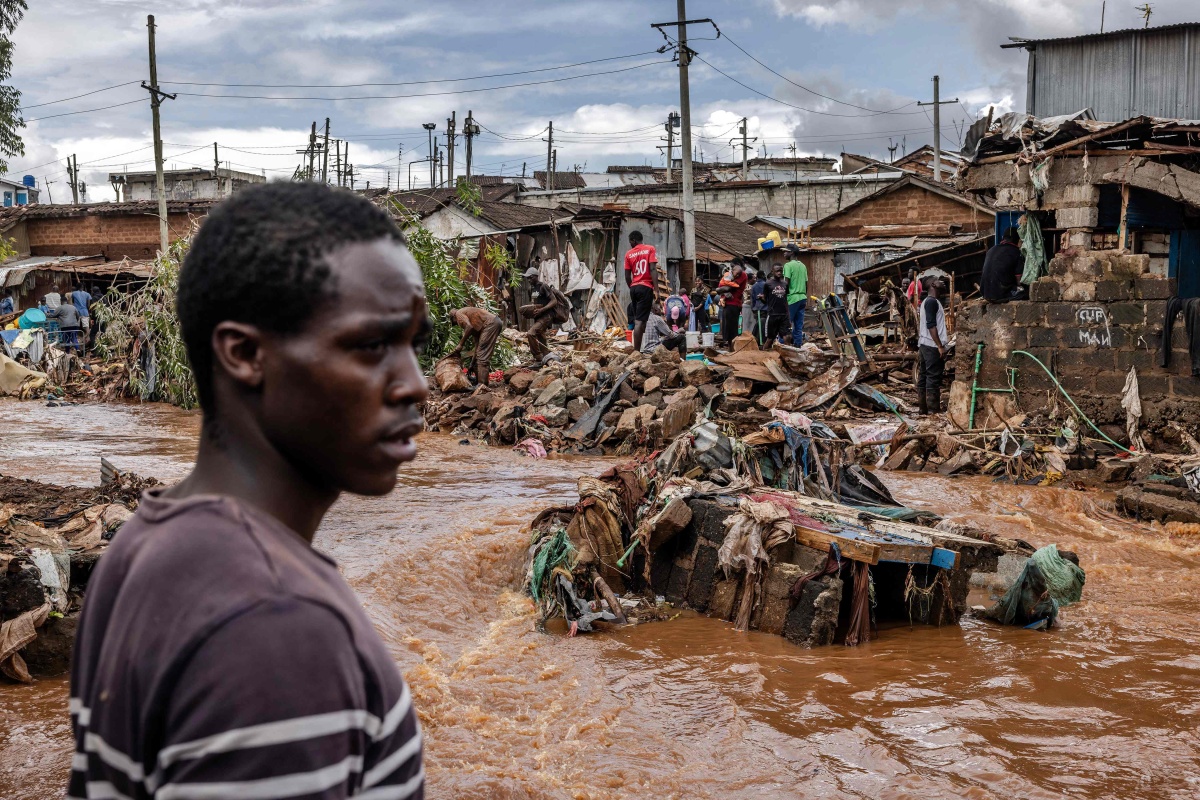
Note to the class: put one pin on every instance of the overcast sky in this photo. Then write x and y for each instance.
(853, 70)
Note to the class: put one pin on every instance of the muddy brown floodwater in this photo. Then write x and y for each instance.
(1107, 706)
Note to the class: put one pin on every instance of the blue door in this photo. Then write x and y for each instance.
(7, 199)
(1184, 263)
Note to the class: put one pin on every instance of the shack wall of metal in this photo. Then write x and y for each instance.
(1154, 72)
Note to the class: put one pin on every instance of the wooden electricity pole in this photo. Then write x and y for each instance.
(937, 128)
(470, 131)
(550, 156)
(325, 155)
(156, 98)
(451, 124)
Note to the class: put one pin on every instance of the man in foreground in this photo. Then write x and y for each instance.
(1002, 269)
(796, 274)
(218, 654)
(484, 327)
(931, 343)
(641, 267)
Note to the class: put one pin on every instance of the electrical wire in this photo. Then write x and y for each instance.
(874, 111)
(405, 83)
(792, 105)
(76, 97)
(427, 94)
(86, 110)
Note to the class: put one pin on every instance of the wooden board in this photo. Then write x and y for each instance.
(614, 311)
(850, 548)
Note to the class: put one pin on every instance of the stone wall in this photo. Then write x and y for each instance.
(811, 199)
(1094, 316)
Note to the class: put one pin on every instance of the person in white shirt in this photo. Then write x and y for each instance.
(931, 343)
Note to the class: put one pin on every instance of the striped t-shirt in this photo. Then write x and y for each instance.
(220, 657)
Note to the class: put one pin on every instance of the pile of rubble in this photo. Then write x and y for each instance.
(597, 396)
(50, 540)
(774, 531)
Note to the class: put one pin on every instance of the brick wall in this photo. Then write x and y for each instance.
(115, 236)
(1095, 315)
(911, 204)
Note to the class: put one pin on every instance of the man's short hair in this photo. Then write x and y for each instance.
(635, 236)
(259, 258)
(1011, 234)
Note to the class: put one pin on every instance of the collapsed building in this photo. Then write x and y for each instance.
(1117, 205)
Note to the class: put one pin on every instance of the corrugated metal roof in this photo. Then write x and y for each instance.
(726, 232)
(1020, 41)
(783, 222)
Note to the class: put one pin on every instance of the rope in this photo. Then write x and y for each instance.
(1078, 410)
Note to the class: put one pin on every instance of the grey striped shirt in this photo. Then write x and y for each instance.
(220, 657)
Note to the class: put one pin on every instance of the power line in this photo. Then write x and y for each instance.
(792, 105)
(85, 111)
(407, 83)
(807, 89)
(76, 97)
(426, 94)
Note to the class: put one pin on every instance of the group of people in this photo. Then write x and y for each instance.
(72, 310)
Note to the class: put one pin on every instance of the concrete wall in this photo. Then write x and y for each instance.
(185, 189)
(115, 236)
(811, 199)
(910, 205)
(1096, 315)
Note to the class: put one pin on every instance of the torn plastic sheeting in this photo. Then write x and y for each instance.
(872, 433)
(56, 575)
(822, 389)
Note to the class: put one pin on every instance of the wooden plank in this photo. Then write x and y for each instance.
(946, 559)
(1091, 137)
(851, 549)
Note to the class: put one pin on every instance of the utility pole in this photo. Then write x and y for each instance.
(312, 149)
(470, 131)
(937, 128)
(672, 124)
(429, 126)
(325, 154)
(50, 197)
(745, 151)
(687, 265)
(73, 175)
(451, 124)
(156, 98)
(550, 156)
(216, 167)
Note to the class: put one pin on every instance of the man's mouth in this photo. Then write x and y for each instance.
(398, 443)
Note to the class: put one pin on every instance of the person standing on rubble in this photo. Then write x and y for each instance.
(758, 308)
(547, 308)
(931, 343)
(641, 274)
(797, 299)
(218, 653)
(775, 300)
(732, 289)
(1002, 269)
(484, 327)
(699, 301)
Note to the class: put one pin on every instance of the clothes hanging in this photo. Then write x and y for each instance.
(1191, 319)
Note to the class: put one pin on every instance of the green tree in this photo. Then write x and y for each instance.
(11, 12)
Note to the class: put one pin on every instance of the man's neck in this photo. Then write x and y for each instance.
(239, 462)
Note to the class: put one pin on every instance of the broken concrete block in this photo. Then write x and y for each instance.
(628, 393)
(682, 396)
(737, 387)
(708, 391)
(677, 417)
(554, 394)
(772, 613)
(577, 407)
(669, 522)
(663, 355)
(652, 399)
(813, 622)
(1086, 217)
(634, 418)
(542, 380)
(723, 597)
(652, 384)
(556, 416)
(1113, 470)
(586, 391)
(521, 379)
(695, 373)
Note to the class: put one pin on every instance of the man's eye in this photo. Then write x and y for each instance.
(373, 346)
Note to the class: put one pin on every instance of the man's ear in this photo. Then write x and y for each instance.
(237, 350)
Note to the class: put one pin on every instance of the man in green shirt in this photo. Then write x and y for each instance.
(797, 277)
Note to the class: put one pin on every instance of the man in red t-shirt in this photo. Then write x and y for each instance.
(732, 289)
(641, 272)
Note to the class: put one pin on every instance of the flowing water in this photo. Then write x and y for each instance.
(1108, 705)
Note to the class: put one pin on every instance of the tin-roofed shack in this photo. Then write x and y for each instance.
(1118, 204)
